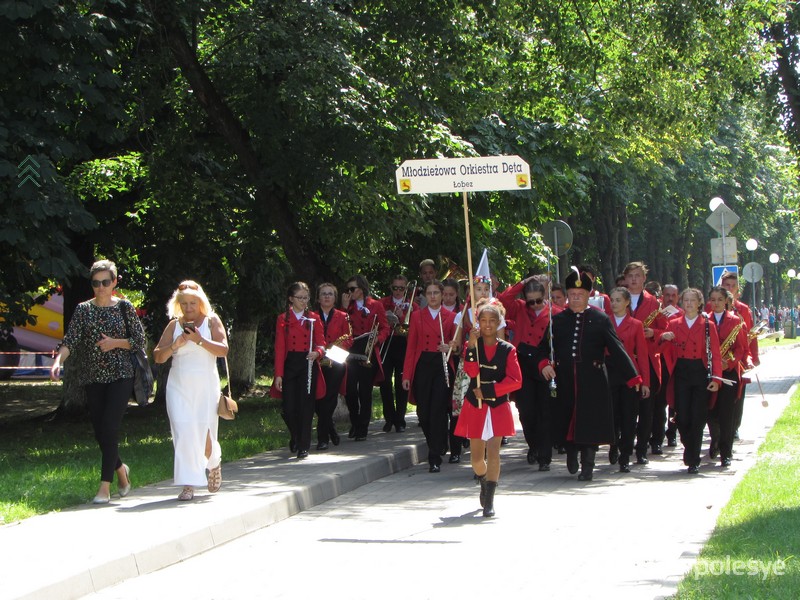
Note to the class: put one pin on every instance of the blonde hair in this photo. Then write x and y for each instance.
(190, 288)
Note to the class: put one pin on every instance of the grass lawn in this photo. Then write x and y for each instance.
(47, 466)
(777, 342)
(755, 549)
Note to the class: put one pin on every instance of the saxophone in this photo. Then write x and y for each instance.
(651, 318)
(725, 347)
(327, 362)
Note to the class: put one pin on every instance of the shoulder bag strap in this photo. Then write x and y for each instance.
(708, 349)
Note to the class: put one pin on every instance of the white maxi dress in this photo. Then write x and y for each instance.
(192, 398)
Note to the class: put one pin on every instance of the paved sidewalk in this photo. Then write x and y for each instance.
(626, 536)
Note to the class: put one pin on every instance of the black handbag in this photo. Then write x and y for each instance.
(142, 373)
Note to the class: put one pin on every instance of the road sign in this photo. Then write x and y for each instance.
(448, 175)
(558, 237)
(720, 270)
(717, 255)
(722, 220)
(753, 272)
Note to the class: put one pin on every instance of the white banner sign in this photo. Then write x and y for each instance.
(448, 175)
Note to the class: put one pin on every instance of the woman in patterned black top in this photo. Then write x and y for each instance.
(102, 333)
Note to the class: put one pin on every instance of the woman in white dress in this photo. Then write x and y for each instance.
(194, 338)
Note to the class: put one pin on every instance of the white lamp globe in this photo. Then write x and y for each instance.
(715, 202)
(751, 244)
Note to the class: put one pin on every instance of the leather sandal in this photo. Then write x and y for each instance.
(215, 479)
(186, 494)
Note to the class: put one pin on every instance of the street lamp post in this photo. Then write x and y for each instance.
(752, 245)
(792, 332)
(773, 258)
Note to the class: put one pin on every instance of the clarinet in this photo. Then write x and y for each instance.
(444, 355)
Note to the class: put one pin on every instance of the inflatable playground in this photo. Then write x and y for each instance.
(28, 353)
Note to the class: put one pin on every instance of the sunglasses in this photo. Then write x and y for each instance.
(534, 302)
(352, 289)
(96, 283)
(397, 288)
(184, 286)
(301, 298)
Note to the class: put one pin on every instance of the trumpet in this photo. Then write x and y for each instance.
(373, 337)
(408, 299)
(758, 329)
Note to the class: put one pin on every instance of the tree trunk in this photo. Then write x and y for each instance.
(242, 355)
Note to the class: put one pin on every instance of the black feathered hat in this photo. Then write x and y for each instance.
(578, 280)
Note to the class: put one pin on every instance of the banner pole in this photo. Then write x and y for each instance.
(469, 254)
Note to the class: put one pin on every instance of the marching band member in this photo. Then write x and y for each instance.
(630, 331)
(583, 417)
(557, 295)
(663, 426)
(336, 331)
(533, 400)
(452, 302)
(398, 306)
(695, 371)
(597, 299)
(427, 374)
(370, 330)
(299, 342)
(733, 351)
(730, 281)
(427, 273)
(486, 416)
(646, 308)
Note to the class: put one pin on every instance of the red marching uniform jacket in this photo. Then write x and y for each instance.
(691, 343)
(528, 327)
(739, 351)
(741, 310)
(293, 335)
(631, 333)
(337, 331)
(362, 319)
(424, 335)
(389, 305)
(648, 304)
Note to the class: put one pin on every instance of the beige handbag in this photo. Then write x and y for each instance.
(228, 407)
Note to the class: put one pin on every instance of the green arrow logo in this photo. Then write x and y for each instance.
(28, 170)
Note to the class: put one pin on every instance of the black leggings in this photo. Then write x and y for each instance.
(107, 404)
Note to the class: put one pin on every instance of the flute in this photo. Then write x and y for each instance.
(444, 355)
(310, 350)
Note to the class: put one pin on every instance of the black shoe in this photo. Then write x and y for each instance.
(352, 433)
(322, 446)
(672, 442)
(454, 459)
(585, 476)
(572, 462)
(726, 462)
(544, 466)
(613, 455)
(335, 439)
(292, 446)
(694, 470)
(361, 438)
(656, 449)
(387, 427)
(504, 441)
(641, 459)
(434, 469)
(562, 450)
(531, 456)
(400, 428)
(624, 468)
(301, 454)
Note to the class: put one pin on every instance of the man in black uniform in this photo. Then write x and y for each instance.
(583, 417)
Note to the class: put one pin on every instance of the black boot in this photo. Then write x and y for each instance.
(587, 464)
(482, 497)
(488, 508)
(613, 454)
(572, 460)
